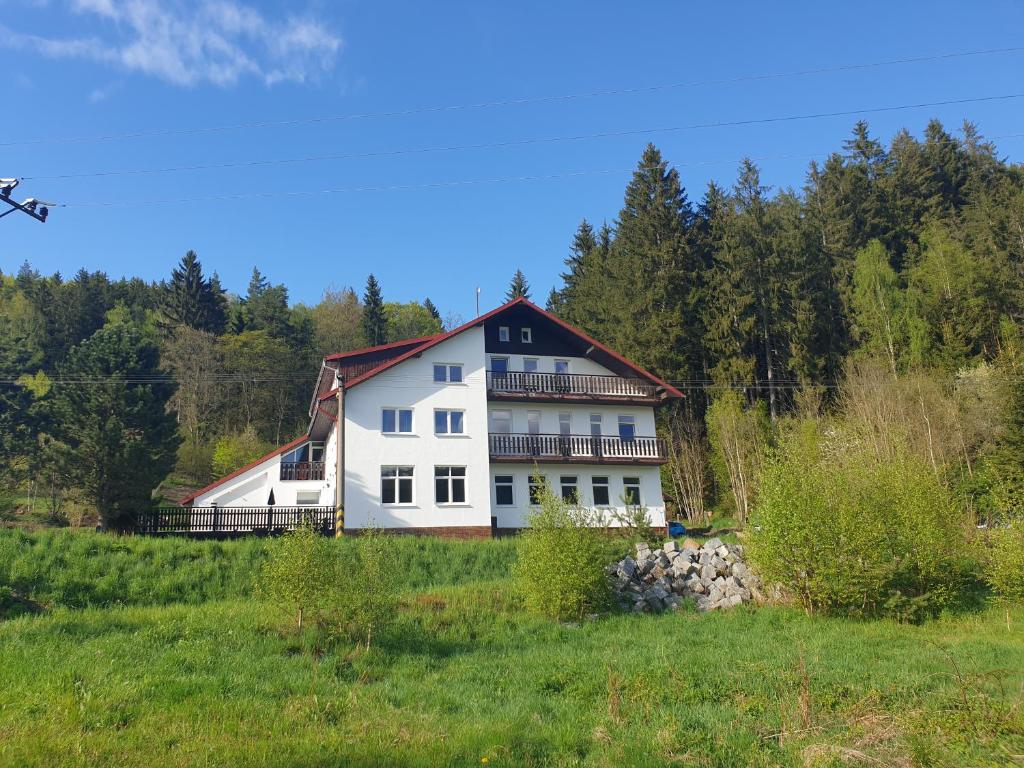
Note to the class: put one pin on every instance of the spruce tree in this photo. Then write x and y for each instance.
(518, 288)
(432, 309)
(190, 299)
(375, 322)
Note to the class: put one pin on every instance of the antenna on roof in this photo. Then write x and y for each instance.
(478, 301)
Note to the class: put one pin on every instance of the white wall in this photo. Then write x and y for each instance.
(546, 364)
(516, 515)
(580, 417)
(411, 384)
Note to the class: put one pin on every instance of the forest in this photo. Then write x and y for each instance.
(880, 305)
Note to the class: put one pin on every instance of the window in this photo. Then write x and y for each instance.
(561, 366)
(396, 420)
(448, 373)
(526, 335)
(565, 424)
(595, 425)
(499, 365)
(501, 422)
(503, 333)
(537, 485)
(570, 489)
(599, 485)
(533, 422)
(529, 365)
(448, 422)
(627, 428)
(305, 452)
(307, 498)
(503, 496)
(450, 485)
(396, 485)
(631, 491)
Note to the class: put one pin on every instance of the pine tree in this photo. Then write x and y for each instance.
(192, 300)
(432, 309)
(518, 288)
(375, 323)
(554, 302)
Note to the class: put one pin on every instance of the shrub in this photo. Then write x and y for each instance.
(848, 532)
(366, 597)
(300, 573)
(195, 461)
(1004, 569)
(561, 559)
(234, 451)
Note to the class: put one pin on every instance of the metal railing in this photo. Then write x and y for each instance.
(579, 384)
(218, 521)
(524, 447)
(302, 470)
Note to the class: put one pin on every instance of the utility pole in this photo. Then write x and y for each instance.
(37, 209)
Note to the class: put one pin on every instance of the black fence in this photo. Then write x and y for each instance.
(224, 522)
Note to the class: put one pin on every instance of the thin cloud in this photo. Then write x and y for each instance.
(189, 43)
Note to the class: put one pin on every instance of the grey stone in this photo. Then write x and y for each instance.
(671, 546)
(732, 601)
(707, 572)
(657, 571)
(719, 565)
(690, 554)
(627, 566)
(713, 544)
(663, 560)
(722, 551)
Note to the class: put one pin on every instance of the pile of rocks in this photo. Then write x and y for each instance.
(714, 575)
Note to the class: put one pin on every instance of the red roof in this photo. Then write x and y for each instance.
(276, 452)
(432, 341)
(381, 347)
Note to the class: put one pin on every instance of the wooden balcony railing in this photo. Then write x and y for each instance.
(580, 385)
(220, 521)
(302, 470)
(520, 447)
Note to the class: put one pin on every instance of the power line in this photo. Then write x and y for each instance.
(521, 142)
(508, 102)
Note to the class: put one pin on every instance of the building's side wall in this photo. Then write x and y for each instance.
(410, 385)
(515, 516)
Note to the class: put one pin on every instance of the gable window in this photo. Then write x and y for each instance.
(503, 495)
(631, 491)
(307, 498)
(627, 428)
(447, 373)
(561, 366)
(396, 421)
(529, 365)
(447, 422)
(499, 365)
(537, 485)
(450, 485)
(570, 489)
(599, 485)
(526, 335)
(395, 485)
(503, 333)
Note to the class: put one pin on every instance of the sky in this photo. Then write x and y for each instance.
(91, 87)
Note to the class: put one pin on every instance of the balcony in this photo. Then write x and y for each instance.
(576, 449)
(569, 387)
(302, 470)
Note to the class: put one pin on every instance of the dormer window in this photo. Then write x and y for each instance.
(503, 333)
(526, 335)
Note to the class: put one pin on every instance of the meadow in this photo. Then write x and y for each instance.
(132, 652)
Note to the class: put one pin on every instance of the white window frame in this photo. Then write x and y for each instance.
(575, 485)
(526, 335)
(531, 360)
(398, 420)
(507, 363)
(397, 479)
(491, 421)
(596, 419)
(565, 419)
(511, 485)
(539, 482)
(562, 362)
(607, 485)
(626, 484)
(503, 334)
(312, 498)
(448, 422)
(448, 373)
(451, 478)
(630, 419)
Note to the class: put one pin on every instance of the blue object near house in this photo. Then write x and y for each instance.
(676, 528)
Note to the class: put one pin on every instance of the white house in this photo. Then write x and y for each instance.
(451, 434)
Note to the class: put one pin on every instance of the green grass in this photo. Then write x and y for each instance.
(466, 674)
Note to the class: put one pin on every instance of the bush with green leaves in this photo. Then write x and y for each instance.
(561, 561)
(1004, 563)
(234, 451)
(300, 573)
(846, 532)
(365, 598)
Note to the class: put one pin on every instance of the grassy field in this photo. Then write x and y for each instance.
(204, 675)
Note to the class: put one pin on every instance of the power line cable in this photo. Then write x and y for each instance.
(508, 102)
(516, 142)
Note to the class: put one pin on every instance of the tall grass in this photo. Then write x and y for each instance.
(78, 569)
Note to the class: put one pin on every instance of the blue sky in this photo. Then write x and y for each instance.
(85, 68)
